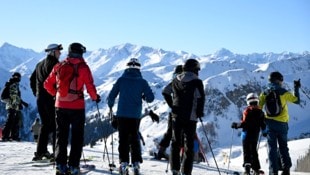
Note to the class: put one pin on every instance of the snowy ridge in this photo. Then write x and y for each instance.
(227, 77)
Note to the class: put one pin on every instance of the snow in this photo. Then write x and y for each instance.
(15, 158)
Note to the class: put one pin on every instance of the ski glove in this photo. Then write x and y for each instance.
(98, 99)
(264, 133)
(297, 83)
(114, 122)
(235, 125)
(154, 116)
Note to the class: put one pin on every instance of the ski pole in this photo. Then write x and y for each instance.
(303, 91)
(112, 164)
(205, 132)
(105, 142)
(232, 136)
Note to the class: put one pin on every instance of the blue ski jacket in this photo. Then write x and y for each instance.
(131, 89)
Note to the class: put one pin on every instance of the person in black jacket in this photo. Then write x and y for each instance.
(187, 107)
(45, 102)
(168, 96)
(252, 122)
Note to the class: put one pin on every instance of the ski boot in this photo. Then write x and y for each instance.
(175, 172)
(161, 154)
(74, 170)
(61, 169)
(123, 169)
(285, 171)
(247, 167)
(136, 168)
(37, 156)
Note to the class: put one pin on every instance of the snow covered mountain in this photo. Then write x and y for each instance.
(228, 77)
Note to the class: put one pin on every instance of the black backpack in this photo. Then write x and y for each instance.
(5, 94)
(273, 106)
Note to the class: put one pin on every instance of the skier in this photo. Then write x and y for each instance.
(277, 126)
(132, 89)
(13, 106)
(70, 106)
(45, 101)
(187, 107)
(251, 123)
(165, 141)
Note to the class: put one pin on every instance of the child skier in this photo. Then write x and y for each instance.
(251, 123)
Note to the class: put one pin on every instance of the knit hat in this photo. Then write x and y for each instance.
(134, 63)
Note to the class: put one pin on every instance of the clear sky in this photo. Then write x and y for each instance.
(195, 26)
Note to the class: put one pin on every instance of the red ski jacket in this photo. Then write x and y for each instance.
(84, 78)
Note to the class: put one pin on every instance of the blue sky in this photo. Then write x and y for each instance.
(199, 26)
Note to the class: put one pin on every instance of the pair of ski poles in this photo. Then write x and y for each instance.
(111, 164)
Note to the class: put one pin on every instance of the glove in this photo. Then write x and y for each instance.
(114, 122)
(264, 133)
(98, 99)
(234, 125)
(154, 116)
(297, 83)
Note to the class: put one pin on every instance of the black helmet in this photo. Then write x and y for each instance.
(77, 48)
(178, 69)
(191, 65)
(275, 76)
(16, 75)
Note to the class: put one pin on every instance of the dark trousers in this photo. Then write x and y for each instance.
(46, 111)
(165, 141)
(11, 127)
(182, 132)
(129, 141)
(250, 154)
(277, 135)
(67, 119)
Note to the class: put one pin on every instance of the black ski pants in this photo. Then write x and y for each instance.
(183, 131)
(129, 141)
(46, 109)
(250, 154)
(11, 127)
(67, 119)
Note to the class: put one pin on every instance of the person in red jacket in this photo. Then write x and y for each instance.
(70, 106)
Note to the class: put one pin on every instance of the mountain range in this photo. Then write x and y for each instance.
(228, 77)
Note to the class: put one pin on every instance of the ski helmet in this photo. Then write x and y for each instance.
(77, 48)
(53, 47)
(275, 76)
(134, 63)
(191, 65)
(251, 97)
(16, 74)
(178, 69)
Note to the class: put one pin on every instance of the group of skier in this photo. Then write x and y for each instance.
(58, 88)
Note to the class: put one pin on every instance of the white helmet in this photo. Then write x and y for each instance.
(134, 63)
(251, 97)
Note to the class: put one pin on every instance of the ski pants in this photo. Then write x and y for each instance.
(129, 141)
(277, 135)
(11, 127)
(250, 154)
(165, 141)
(67, 119)
(182, 132)
(46, 109)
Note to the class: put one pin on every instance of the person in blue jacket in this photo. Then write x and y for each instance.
(131, 89)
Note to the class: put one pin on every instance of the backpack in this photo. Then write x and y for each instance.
(5, 94)
(273, 106)
(66, 78)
